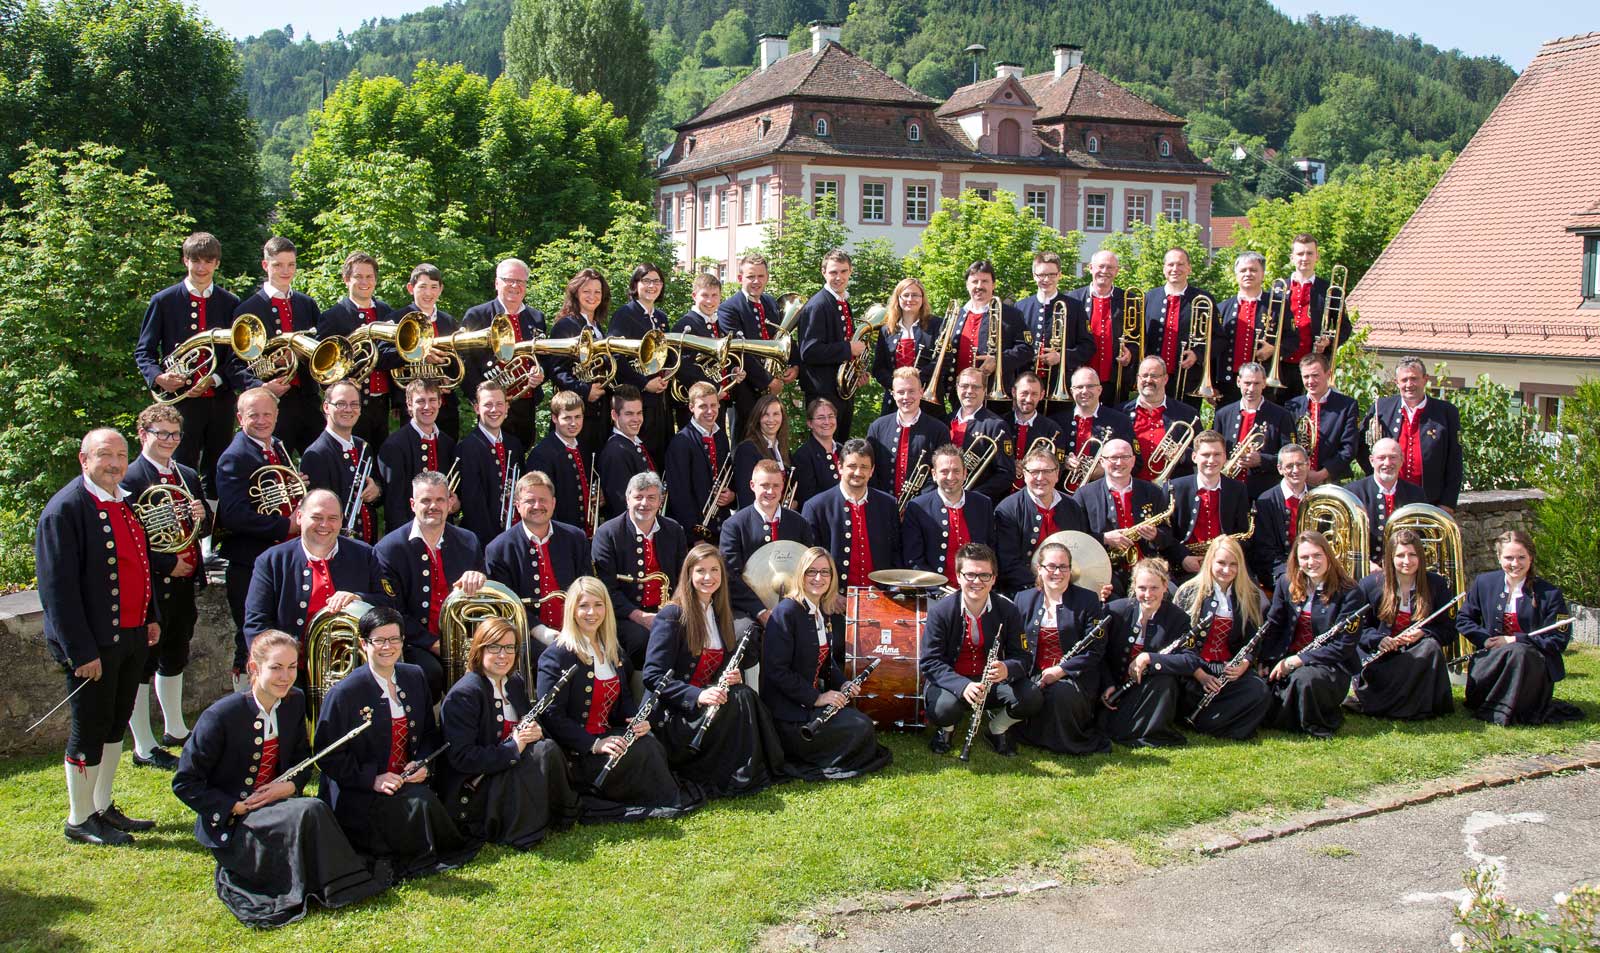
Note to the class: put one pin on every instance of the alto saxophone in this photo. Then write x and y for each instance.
(1131, 554)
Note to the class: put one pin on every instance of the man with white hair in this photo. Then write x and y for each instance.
(1384, 492)
(1237, 327)
(1105, 304)
(511, 292)
(638, 555)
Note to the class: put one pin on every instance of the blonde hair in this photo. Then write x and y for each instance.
(893, 315)
(795, 586)
(1192, 593)
(572, 637)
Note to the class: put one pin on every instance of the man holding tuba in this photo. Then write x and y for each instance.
(298, 578)
(176, 314)
(421, 562)
(283, 310)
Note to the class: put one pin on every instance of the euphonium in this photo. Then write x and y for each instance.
(1272, 328)
(1058, 341)
(1335, 512)
(1169, 450)
(246, 336)
(1132, 333)
(1333, 311)
(459, 617)
(333, 650)
(1236, 468)
(281, 355)
(977, 461)
(947, 334)
(1202, 318)
(407, 335)
(169, 524)
(858, 370)
(499, 338)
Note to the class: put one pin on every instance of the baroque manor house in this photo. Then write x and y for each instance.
(1072, 145)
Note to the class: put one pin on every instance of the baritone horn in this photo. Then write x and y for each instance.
(333, 650)
(977, 461)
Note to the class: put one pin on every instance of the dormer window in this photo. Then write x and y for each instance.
(822, 125)
(688, 145)
(1093, 144)
(763, 125)
(1164, 147)
(914, 132)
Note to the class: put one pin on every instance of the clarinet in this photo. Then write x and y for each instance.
(539, 707)
(852, 688)
(1176, 645)
(1347, 622)
(418, 768)
(1225, 678)
(1415, 625)
(722, 682)
(631, 733)
(1095, 632)
(983, 698)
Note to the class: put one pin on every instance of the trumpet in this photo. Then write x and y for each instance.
(1132, 332)
(1202, 318)
(591, 513)
(1271, 332)
(352, 505)
(915, 479)
(1169, 450)
(977, 461)
(508, 496)
(1333, 313)
(708, 514)
(1058, 341)
(166, 513)
(247, 336)
(947, 335)
(997, 387)
(858, 370)
(1235, 468)
(1079, 474)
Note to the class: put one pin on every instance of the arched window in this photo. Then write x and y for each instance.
(1165, 148)
(1093, 143)
(822, 125)
(914, 132)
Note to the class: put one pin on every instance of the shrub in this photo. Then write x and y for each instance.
(1491, 925)
(1568, 534)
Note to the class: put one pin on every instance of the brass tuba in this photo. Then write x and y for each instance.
(247, 336)
(460, 615)
(1441, 551)
(1335, 512)
(333, 650)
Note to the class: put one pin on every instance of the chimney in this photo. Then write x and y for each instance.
(1002, 70)
(1067, 56)
(770, 48)
(823, 33)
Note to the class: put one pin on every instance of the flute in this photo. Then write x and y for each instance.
(1415, 626)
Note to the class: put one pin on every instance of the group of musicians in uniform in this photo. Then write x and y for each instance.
(651, 674)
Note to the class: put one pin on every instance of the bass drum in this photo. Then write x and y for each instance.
(878, 625)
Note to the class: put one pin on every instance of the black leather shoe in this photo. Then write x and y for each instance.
(167, 741)
(159, 758)
(97, 832)
(113, 817)
(1001, 743)
(215, 563)
(940, 742)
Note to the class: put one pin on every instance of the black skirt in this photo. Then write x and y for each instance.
(1310, 700)
(1510, 685)
(1409, 683)
(1235, 714)
(845, 746)
(287, 854)
(1145, 714)
(412, 829)
(1066, 723)
(520, 806)
(640, 787)
(740, 753)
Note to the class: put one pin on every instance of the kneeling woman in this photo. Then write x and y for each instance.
(1224, 593)
(1055, 617)
(504, 781)
(1511, 678)
(1409, 679)
(376, 783)
(593, 718)
(1312, 595)
(1141, 650)
(801, 676)
(740, 752)
(276, 850)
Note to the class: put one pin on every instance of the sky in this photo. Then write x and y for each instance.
(1479, 27)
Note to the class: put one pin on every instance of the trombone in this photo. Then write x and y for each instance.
(947, 335)
(1202, 318)
(997, 387)
(1169, 450)
(977, 461)
(1058, 341)
(1333, 312)
(1132, 334)
(1272, 329)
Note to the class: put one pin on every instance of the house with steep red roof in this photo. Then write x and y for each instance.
(1495, 273)
(1079, 150)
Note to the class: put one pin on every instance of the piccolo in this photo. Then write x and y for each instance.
(1415, 626)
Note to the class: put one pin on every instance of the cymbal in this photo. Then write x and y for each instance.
(770, 568)
(1091, 566)
(908, 579)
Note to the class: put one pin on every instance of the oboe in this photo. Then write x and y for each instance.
(1345, 624)
(723, 681)
(852, 688)
(983, 697)
(1176, 645)
(1089, 638)
(1417, 626)
(631, 733)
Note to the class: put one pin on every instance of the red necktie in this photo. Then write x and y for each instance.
(643, 453)
(366, 513)
(321, 589)
(1316, 430)
(1047, 521)
(1247, 421)
(285, 311)
(1105, 349)
(772, 527)
(1123, 500)
(1169, 332)
(1300, 304)
(549, 612)
(1244, 334)
(436, 587)
(969, 662)
(958, 431)
(1081, 434)
(861, 564)
(902, 460)
(1388, 505)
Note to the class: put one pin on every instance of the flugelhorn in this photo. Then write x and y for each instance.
(916, 478)
(197, 354)
(977, 461)
(1088, 458)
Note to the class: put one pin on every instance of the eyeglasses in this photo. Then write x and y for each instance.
(513, 282)
(1041, 471)
(977, 576)
(387, 643)
(346, 405)
(499, 650)
(1054, 569)
(819, 573)
(1119, 456)
(649, 281)
(165, 434)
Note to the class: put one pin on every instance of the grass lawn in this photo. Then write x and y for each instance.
(712, 881)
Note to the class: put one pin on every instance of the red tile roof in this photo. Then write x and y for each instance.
(835, 73)
(1085, 93)
(1223, 228)
(1500, 215)
(970, 97)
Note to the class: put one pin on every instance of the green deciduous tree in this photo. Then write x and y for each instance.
(84, 248)
(1568, 534)
(150, 78)
(970, 228)
(633, 237)
(795, 244)
(524, 169)
(591, 46)
(733, 38)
